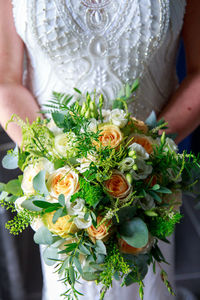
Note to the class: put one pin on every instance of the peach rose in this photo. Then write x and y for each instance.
(145, 141)
(126, 248)
(62, 227)
(63, 181)
(110, 135)
(102, 232)
(117, 186)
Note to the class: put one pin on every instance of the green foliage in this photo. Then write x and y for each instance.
(92, 194)
(20, 222)
(114, 263)
(164, 226)
(10, 161)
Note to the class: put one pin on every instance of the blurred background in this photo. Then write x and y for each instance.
(20, 270)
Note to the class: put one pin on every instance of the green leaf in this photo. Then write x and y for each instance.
(71, 275)
(43, 236)
(50, 255)
(78, 265)
(135, 233)
(39, 183)
(59, 119)
(77, 90)
(100, 247)
(128, 91)
(135, 85)
(45, 204)
(61, 199)
(10, 161)
(86, 216)
(155, 196)
(14, 187)
(164, 190)
(156, 187)
(57, 215)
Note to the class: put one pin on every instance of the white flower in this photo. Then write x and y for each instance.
(18, 203)
(143, 170)
(63, 181)
(36, 223)
(81, 223)
(65, 144)
(106, 115)
(139, 151)
(74, 208)
(118, 117)
(170, 145)
(55, 129)
(85, 163)
(31, 171)
(126, 164)
(93, 124)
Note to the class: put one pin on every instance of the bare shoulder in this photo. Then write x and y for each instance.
(11, 45)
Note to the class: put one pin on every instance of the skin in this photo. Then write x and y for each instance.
(182, 111)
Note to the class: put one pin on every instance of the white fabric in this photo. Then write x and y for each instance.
(102, 44)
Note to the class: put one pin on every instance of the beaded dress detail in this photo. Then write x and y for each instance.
(102, 44)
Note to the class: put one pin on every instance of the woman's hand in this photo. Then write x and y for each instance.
(14, 98)
(183, 110)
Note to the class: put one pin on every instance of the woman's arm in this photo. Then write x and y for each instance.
(183, 110)
(14, 98)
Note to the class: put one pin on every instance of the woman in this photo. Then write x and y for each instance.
(100, 44)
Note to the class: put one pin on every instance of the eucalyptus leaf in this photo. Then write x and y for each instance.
(100, 247)
(151, 121)
(14, 187)
(78, 265)
(50, 255)
(57, 215)
(90, 276)
(59, 119)
(61, 199)
(84, 250)
(28, 204)
(39, 183)
(10, 161)
(43, 236)
(135, 233)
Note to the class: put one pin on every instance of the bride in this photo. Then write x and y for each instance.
(101, 44)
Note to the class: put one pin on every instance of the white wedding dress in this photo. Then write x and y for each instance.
(102, 44)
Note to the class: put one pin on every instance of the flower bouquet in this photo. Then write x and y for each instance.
(100, 188)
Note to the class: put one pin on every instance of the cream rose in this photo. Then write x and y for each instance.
(63, 181)
(110, 135)
(18, 203)
(55, 129)
(31, 171)
(62, 227)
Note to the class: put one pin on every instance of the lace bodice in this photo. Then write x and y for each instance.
(101, 44)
